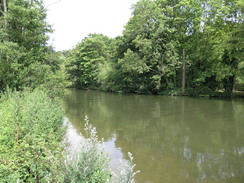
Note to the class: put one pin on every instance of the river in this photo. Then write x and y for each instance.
(172, 139)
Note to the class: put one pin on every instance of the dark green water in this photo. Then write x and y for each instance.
(173, 139)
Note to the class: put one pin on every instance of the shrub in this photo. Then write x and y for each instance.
(30, 135)
(31, 149)
(91, 163)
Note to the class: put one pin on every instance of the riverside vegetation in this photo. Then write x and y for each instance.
(90, 164)
(189, 47)
(30, 136)
(31, 149)
(32, 78)
(172, 47)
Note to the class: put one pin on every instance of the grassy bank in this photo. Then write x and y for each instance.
(31, 148)
(30, 135)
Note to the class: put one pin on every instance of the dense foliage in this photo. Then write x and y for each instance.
(30, 122)
(32, 75)
(31, 132)
(25, 59)
(168, 47)
(30, 136)
(87, 60)
(173, 47)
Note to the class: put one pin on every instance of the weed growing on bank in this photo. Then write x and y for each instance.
(91, 163)
(127, 171)
(31, 132)
(30, 136)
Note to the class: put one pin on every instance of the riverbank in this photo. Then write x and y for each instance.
(35, 144)
(178, 92)
(31, 132)
(239, 93)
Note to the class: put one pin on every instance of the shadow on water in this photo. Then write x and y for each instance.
(173, 139)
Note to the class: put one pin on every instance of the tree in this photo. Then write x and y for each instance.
(26, 60)
(203, 29)
(228, 23)
(147, 35)
(180, 46)
(86, 60)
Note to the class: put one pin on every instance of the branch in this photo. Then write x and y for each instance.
(53, 3)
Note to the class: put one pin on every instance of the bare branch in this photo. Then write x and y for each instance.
(53, 3)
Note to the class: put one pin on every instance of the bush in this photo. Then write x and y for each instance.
(91, 163)
(30, 148)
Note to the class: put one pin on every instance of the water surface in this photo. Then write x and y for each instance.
(173, 139)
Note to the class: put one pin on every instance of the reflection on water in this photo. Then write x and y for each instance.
(173, 139)
(72, 139)
(114, 153)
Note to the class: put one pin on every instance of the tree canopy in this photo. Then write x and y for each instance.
(162, 36)
(188, 47)
(26, 60)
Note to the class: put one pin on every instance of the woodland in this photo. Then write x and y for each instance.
(190, 47)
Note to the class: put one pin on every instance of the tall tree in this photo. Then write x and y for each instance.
(86, 60)
(147, 36)
(206, 34)
(25, 58)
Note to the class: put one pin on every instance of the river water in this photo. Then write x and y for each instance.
(172, 139)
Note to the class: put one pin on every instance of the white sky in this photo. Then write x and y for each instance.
(72, 20)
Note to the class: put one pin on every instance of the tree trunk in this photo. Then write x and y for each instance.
(4, 6)
(229, 83)
(4, 14)
(183, 72)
